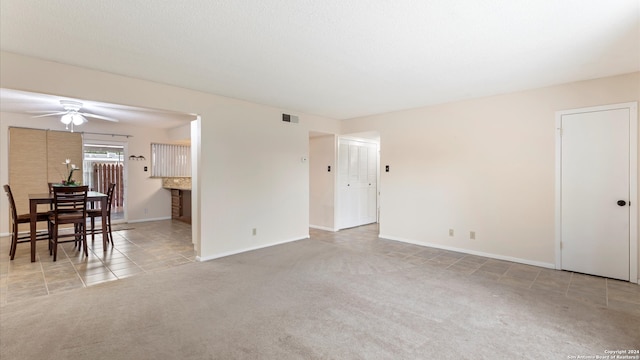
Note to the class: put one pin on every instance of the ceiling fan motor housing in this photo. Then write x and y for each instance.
(70, 105)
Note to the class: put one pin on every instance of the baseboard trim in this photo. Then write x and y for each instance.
(472, 252)
(323, 228)
(235, 252)
(147, 220)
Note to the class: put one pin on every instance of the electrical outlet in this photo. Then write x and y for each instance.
(450, 232)
(472, 235)
(254, 232)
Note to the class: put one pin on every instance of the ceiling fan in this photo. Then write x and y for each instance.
(72, 114)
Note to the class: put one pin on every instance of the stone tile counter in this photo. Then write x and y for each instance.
(179, 183)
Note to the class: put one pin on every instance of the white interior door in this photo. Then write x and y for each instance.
(595, 192)
(372, 185)
(357, 183)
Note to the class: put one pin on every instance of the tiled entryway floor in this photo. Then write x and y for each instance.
(138, 248)
(159, 245)
(595, 290)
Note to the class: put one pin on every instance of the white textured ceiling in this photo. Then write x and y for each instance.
(15, 101)
(337, 58)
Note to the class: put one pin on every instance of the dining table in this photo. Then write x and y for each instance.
(47, 198)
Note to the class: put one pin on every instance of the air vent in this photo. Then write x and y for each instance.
(290, 118)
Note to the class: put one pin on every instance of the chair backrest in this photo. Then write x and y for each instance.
(70, 199)
(50, 184)
(12, 203)
(112, 187)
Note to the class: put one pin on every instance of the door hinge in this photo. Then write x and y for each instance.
(560, 131)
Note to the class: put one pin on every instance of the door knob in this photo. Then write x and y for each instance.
(622, 203)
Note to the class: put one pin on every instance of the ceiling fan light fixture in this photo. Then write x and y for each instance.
(78, 119)
(66, 119)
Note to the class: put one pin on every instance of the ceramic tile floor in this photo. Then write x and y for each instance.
(159, 245)
(138, 248)
(598, 291)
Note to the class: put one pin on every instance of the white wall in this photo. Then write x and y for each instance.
(485, 165)
(251, 173)
(146, 199)
(181, 134)
(322, 153)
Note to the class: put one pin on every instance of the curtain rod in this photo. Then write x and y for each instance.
(94, 133)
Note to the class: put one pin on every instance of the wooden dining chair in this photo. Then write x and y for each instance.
(50, 184)
(94, 213)
(17, 219)
(69, 207)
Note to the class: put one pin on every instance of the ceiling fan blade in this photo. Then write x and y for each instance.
(98, 117)
(51, 114)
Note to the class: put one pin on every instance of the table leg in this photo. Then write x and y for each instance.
(33, 215)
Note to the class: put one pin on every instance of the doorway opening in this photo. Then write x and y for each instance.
(104, 164)
(344, 173)
(357, 182)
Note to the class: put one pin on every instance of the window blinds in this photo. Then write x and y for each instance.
(170, 160)
(36, 157)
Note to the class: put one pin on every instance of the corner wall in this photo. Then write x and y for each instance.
(322, 153)
(251, 173)
(485, 165)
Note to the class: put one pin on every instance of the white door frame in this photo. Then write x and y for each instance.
(633, 182)
(125, 166)
(337, 199)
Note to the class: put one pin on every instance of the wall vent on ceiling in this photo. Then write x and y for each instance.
(290, 118)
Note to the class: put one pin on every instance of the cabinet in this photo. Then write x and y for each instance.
(181, 205)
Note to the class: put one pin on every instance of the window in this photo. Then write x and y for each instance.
(37, 157)
(170, 160)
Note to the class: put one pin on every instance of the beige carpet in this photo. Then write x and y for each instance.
(309, 300)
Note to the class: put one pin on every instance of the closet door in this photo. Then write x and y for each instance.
(347, 177)
(372, 184)
(357, 175)
(362, 184)
(595, 192)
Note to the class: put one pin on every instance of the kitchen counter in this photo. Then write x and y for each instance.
(180, 188)
(181, 183)
(177, 188)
